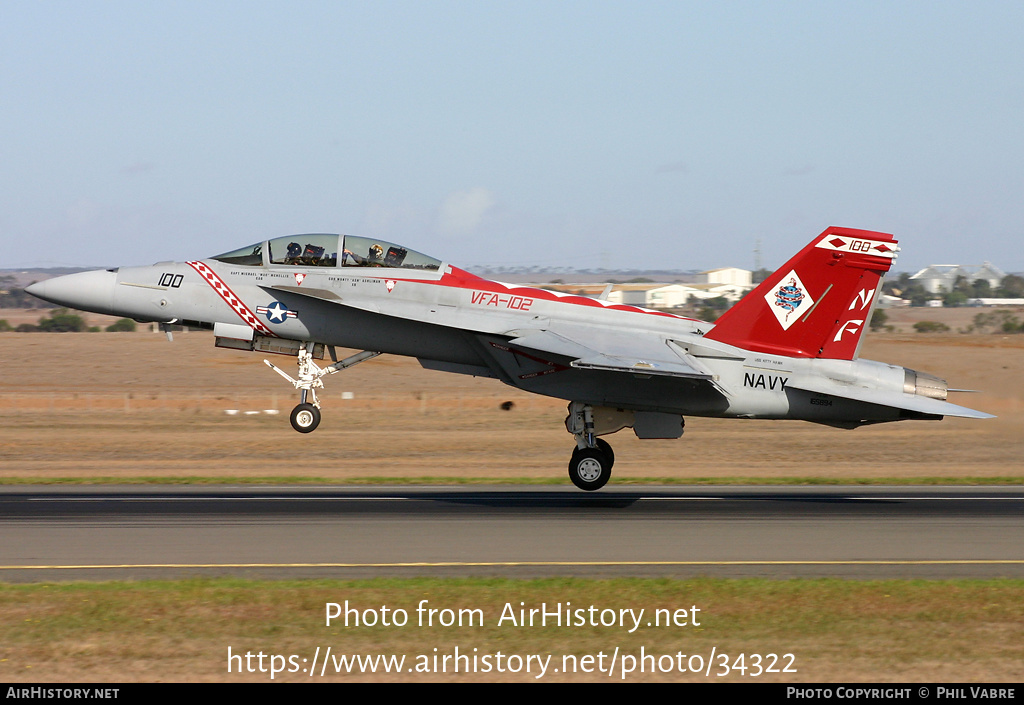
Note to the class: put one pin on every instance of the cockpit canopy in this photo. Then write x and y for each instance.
(321, 250)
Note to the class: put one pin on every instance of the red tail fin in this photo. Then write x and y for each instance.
(818, 303)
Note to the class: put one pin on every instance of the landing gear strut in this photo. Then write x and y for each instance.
(306, 416)
(591, 464)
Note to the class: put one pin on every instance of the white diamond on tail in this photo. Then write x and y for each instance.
(789, 300)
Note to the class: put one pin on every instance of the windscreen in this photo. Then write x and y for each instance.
(251, 256)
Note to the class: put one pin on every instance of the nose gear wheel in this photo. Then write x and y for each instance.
(306, 416)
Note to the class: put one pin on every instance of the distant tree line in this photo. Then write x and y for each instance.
(61, 320)
(12, 296)
(1000, 321)
(1011, 287)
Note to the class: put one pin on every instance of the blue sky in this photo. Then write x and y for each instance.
(632, 134)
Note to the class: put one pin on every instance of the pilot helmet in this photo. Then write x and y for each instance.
(376, 252)
(294, 249)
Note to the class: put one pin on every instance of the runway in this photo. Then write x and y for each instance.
(91, 533)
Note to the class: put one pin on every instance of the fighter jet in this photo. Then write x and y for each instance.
(787, 350)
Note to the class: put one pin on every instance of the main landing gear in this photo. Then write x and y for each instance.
(591, 464)
(306, 416)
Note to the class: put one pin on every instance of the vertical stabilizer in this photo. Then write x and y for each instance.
(818, 303)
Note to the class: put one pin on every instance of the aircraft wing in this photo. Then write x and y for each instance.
(611, 350)
(896, 400)
(589, 348)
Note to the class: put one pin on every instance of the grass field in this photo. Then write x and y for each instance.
(834, 630)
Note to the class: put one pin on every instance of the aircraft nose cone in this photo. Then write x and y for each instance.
(86, 291)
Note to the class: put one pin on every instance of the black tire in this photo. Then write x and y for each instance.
(589, 469)
(305, 418)
(605, 447)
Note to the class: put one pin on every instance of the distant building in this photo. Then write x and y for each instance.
(728, 282)
(941, 278)
(652, 295)
(728, 275)
(887, 301)
(731, 292)
(673, 295)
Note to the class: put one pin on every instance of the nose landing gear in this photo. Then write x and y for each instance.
(306, 416)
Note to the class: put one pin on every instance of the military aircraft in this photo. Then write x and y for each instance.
(788, 350)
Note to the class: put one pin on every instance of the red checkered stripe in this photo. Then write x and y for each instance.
(229, 297)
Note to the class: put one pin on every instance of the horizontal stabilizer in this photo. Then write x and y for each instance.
(895, 400)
